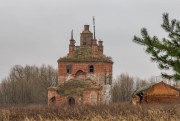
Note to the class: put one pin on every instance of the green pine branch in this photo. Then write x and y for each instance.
(165, 52)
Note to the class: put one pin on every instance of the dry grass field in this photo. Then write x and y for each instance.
(114, 112)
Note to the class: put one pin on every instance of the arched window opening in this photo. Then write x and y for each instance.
(71, 101)
(68, 69)
(91, 69)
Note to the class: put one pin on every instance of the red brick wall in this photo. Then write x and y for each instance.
(60, 100)
(64, 100)
(160, 99)
(87, 38)
(100, 69)
(91, 97)
(51, 93)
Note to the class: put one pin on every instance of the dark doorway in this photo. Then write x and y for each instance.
(71, 101)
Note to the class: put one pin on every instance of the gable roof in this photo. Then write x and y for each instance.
(143, 89)
(149, 86)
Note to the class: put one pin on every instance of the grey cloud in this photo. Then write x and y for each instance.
(37, 32)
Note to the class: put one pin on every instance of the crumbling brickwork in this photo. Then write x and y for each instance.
(102, 71)
(85, 62)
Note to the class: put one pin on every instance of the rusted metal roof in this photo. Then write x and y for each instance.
(143, 89)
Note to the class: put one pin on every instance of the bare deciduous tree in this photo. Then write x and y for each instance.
(122, 88)
(28, 84)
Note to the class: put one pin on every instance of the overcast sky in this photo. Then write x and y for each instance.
(36, 32)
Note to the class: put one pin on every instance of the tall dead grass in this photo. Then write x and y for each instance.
(114, 112)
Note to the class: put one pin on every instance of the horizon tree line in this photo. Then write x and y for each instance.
(29, 84)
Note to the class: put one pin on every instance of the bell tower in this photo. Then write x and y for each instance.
(86, 37)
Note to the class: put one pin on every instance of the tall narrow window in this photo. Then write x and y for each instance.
(91, 68)
(68, 69)
(84, 43)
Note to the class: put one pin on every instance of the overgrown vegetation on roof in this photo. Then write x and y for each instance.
(83, 52)
(74, 87)
(85, 55)
(86, 59)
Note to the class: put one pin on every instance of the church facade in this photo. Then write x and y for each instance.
(84, 75)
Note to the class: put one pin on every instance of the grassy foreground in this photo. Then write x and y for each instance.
(114, 112)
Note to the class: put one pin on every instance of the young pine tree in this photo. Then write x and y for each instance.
(165, 52)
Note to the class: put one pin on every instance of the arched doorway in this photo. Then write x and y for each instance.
(71, 101)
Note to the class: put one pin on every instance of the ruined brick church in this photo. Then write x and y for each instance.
(84, 75)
